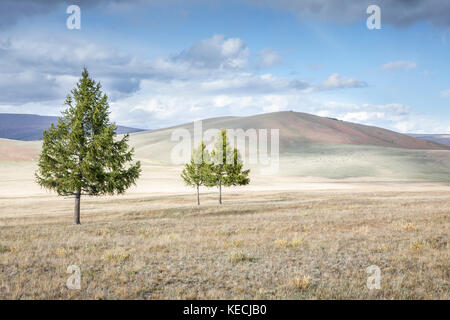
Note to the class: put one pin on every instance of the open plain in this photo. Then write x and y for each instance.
(258, 244)
(308, 232)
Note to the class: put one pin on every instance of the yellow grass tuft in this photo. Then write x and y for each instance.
(236, 243)
(62, 252)
(103, 232)
(116, 256)
(418, 245)
(289, 244)
(410, 227)
(239, 256)
(361, 229)
(407, 226)
(145, 233)
(300, 282)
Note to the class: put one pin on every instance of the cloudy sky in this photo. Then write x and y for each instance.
(169, 62)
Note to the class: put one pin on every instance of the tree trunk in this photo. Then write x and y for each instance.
(220, 191)
(198, 195)
(76, 213)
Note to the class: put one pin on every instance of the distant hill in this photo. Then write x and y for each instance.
(310, 146)
(439, 138)
(298, 129)
(29, 127)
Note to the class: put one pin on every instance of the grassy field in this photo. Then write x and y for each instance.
(260, 244)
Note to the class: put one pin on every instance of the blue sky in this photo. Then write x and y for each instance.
(165, 63)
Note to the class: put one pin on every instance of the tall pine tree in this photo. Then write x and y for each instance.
(80, 155)
(197, 171)
(227, 167)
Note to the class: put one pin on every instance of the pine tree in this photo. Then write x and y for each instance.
(236, 176)
(80, 155)
(197, 171)
(226, 169)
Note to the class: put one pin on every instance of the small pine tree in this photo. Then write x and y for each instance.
(226, 169)
(236, 176)
(80, 154)
(197, 171)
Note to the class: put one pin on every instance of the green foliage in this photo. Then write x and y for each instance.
(80, 154)
(227, 166)
(197, 171)
(236, 176)
(223, 167)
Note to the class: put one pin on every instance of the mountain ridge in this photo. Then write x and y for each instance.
(29, 127)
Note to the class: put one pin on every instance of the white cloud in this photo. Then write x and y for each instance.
(217, 52)
(155, 104)
(335, 81)
(360, 116)
(211, 78)
(268, 58)
(421, 124)
(394, 116)
(366, 113)
(396, 65)
(48, 70)
(405, 126)
(323, 113)
(445, 93)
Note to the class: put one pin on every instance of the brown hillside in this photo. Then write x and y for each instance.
(298, 128)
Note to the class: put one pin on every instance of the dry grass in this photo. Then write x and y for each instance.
(301, 282)
(278, 245)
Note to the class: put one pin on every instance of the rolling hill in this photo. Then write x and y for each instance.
(29, 127)
(310, 147)
(298, 131)
(313, 146)
(297, 128)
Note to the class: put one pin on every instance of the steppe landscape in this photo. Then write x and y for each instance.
(346, 197)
